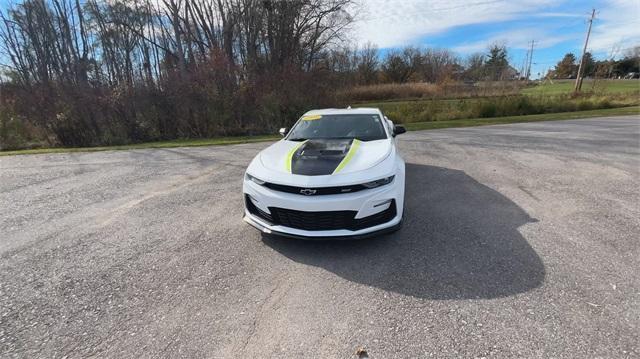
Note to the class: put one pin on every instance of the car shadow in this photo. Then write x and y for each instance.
(459, 240)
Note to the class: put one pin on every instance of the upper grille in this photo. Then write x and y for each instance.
(319, 190)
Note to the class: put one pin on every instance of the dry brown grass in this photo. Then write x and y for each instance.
(421, 90)
(390, 91)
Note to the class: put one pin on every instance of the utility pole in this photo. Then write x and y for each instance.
(584, 50)
(530, 59)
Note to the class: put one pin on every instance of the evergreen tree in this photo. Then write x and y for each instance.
(567, 67)
(588, 66)
(497, 63)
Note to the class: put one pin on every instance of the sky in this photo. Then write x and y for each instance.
(466, 27)
(470, 26)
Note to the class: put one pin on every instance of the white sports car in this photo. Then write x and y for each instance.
(337, 173)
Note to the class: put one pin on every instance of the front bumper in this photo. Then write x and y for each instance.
(264, 229)
(366, 207)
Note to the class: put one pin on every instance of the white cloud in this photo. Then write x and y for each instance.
(398, 23)
(558, 14)
(617, 26)
(517, 39)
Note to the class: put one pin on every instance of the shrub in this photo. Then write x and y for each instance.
(487, 109)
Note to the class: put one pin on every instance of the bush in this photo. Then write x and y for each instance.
(200, 105)
(487, 109)
(16, 133)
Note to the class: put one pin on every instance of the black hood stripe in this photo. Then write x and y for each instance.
(320, 157)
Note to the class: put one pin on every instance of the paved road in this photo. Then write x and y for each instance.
(519, 241)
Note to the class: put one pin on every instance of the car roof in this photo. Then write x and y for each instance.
(345, 111)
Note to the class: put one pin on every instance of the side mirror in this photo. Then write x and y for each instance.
(398, 130)
(283, 131)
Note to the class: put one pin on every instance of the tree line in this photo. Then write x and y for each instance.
(106, 72)
(365, 66)
(567, 67)
(82, 73)
(98, 72)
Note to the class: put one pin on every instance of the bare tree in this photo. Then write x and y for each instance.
(368, 64)
(117, 71)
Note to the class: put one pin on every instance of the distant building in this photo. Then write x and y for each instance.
(510, 73)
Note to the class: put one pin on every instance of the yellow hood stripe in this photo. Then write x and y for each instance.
(311, 117)
(287, 161)
(349, 156)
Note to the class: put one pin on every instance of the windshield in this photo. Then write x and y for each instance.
(364, 127)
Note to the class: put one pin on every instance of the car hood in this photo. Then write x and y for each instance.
(318, 157)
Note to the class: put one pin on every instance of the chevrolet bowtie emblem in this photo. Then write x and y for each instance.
(308, 191)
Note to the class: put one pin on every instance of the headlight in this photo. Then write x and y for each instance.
(378, 183)
(254, 180)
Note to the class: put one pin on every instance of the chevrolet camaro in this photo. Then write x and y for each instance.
(336, 173)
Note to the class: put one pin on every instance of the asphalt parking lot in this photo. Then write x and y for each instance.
(519, 241)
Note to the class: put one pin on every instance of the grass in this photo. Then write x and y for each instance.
(415, 126)
(392, 92)
(427, 110)
(422, 90)
(219, 141)
(382, 92)
(588, 85)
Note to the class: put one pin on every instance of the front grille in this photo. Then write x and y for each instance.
(319, 190)
(323, 220)
(312, 221)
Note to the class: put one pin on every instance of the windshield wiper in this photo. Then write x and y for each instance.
(297, 139)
